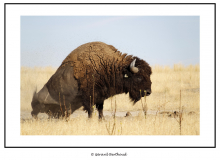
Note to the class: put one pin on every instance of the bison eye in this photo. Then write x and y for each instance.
(126, 76)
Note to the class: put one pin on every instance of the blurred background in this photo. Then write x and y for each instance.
(159, 40)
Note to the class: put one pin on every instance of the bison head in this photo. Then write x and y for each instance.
(137, 79)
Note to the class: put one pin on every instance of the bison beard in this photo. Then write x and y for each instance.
(90, 74)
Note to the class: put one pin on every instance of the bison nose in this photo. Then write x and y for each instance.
(148, 91)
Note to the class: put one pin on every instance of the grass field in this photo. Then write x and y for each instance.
(173, 89)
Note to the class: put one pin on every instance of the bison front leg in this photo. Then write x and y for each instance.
(90, 111)
(100, 109)
(88, 108)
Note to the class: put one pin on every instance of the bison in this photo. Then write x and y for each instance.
(90, 74)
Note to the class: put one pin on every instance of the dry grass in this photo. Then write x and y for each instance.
(166, 85)
(123, 126)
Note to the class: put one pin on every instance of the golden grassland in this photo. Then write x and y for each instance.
(174, 88)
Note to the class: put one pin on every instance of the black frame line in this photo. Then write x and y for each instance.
(110, 4)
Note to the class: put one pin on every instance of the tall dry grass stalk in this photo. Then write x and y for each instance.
(81, 125)
(144, 105)
(111, 129)
(179, 115)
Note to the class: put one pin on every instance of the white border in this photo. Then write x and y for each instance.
(13, 13)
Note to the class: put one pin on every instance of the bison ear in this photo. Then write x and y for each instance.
(126, 76)
(132, 67)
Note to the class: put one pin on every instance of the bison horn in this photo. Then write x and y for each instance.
(132, 67)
